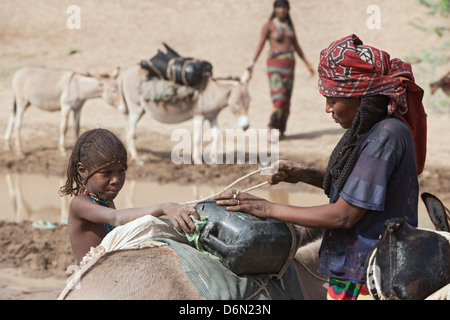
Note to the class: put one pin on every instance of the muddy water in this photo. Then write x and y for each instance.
(35, 197)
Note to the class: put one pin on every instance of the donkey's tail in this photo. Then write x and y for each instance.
(14, 105)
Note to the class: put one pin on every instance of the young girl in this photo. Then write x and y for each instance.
(95, 175)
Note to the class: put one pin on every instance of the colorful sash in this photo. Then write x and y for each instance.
(280, 71)
(346, 290)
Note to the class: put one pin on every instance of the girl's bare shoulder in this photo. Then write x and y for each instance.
(78, 204)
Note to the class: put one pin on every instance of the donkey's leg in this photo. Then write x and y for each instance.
(8, 132)
(21, 107)
(65, 109)
(198, 132)
(76, 120)
(10, 127)
(133, 117)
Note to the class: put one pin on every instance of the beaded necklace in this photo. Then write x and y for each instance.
(101, 202)
(283, 29)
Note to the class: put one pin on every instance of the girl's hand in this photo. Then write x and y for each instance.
(244, 202)
(287, 171)
(179, 216)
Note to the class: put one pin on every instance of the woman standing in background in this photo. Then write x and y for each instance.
(280, 32)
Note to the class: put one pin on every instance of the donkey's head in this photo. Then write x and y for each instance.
(239, 100)
(110, 84)
(108, 87)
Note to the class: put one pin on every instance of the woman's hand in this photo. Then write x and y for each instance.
(179, 216)
(250, 68)
(244, 202)
(310, 69)
(287, 171)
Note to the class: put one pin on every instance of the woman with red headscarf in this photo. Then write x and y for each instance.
(280, 33)
(372, 172)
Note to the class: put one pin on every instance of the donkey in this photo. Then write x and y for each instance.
(138, 274)
(54, 90)
(443, 83)
(156, 272)
(408, 263)
(412, 263)
(216, 94)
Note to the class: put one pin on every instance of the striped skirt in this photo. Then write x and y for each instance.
(280, 71)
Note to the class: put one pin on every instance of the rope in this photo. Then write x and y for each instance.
(151, 65)
(233, 184)
(290, 258)
(171, 74)
(262, 286)
(375, 290)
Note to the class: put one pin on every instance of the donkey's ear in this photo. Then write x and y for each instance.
(245, 78)
(115, 73)
(438, 213)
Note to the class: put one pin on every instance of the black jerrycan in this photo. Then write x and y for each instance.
(246, 244)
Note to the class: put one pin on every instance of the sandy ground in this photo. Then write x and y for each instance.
(118, 33)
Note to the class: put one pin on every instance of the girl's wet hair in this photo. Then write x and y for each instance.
(95, 149)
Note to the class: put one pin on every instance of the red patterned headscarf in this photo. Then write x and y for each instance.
(347, 68)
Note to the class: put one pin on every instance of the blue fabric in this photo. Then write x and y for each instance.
(383, 181)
